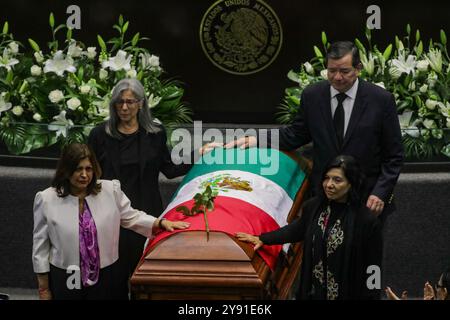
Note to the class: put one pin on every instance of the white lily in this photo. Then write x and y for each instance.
(61, 125)
(429, 124)
(59, 64)
(4, 106)
(119, 62)
(74, 50)
(153, 101)
(434, 57)
(6, 61)
(380, 84)
(422, 65)
(404, 64)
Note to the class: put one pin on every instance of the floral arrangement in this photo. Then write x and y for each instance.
(419, 79)
(59, 94)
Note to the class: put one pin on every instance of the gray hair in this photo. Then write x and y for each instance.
(144, 115)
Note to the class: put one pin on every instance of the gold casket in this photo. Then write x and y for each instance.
(186, 265)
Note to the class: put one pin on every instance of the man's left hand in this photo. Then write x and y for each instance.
(375, 204)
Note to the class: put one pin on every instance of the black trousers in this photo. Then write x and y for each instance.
(107, 287)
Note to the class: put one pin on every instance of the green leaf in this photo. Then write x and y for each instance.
(417, 36)
(387, 52)
(51, 20)
(397, 41)
(324, 38)
(101, 43)
(9, 77)
(443, 38)
(368, 34)
(69, 34)
(210, 206)
(33, 45)
(184, 210)
(120, 20)
(360, 46)
(125, 27)
(80, 73)
(419, 49)
(135, 39)
(317, 52)
(5, 27)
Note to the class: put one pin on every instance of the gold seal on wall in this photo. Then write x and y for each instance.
(241, 36)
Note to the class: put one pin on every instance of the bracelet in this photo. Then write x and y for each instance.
(160, 222)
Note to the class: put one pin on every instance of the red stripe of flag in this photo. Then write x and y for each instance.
(230, 215)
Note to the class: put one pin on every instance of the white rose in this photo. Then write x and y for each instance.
(324, 74)
(84, 89)
(36, 70)
(422, 65)
(423, 88)
(17, 110)
(73, 103)
(103, 74)
(56, 96)
(309, 68)
(91, 52)
(431, 104)
(37, 117)
(39, 57)
(13, 47)
(131, 73)
(153, 61)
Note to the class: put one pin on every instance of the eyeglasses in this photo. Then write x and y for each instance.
(129, 102)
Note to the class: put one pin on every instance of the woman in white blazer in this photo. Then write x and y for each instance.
(76, 230)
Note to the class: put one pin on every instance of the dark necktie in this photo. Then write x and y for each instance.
(339, 118)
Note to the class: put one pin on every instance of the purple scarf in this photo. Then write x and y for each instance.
(89, 252)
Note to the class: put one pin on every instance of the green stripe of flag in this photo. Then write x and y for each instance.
(288, 175)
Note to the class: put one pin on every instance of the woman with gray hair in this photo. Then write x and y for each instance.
(132, 148)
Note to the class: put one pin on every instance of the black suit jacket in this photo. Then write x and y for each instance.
(154, 157)
(373, 135)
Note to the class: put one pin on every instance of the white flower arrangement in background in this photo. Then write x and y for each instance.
(418, 79)
(58, 94)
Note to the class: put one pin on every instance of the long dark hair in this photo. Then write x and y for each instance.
(353, 173)
(68, 162)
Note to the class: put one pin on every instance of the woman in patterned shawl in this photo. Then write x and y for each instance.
(342, 239)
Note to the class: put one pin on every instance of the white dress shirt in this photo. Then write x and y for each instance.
(347, 104)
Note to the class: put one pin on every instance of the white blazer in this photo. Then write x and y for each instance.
(56, 226)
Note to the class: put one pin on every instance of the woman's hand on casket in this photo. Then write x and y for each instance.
(243, 143)
(172, 225)
(250, 238)
(209, 146)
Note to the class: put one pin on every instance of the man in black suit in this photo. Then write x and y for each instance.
(347, 115)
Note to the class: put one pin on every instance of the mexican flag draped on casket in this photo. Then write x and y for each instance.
(256, 189)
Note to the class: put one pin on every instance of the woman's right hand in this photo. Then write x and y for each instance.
(45, 294)
(250, 238)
